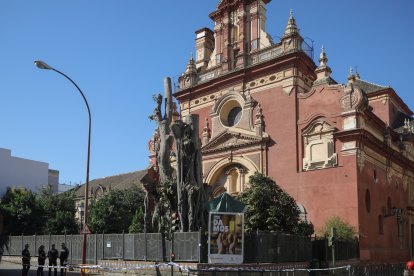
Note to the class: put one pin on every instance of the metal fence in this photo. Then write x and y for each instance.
(142, 246)
(259, 247)
(268, 247)
(344, 250)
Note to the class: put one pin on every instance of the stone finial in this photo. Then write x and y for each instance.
(323, 72)
(357, 76)
(406, 126)
(351, 76)
(322, 57)
(291, 27)
(191, 67)
(189, 77)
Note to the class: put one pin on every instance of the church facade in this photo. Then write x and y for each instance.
(339, 149)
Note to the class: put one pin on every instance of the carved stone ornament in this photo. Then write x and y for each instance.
(206, 133)
(319, 146)
(259, 121)
(353, 99)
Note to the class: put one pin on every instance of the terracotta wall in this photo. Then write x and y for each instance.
(324, 193)
(381, 110)
(384, 246)
(279, 116)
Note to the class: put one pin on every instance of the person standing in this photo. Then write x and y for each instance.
(64, 255)
(25, 260)
(41, 259)
(52, 255)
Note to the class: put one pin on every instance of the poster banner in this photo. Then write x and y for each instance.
(226, 238)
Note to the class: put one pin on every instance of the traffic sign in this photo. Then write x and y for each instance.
(86, 229)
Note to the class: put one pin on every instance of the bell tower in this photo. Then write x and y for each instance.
(239, 28)
(239, 32)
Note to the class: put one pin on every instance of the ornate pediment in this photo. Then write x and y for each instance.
(232, 139)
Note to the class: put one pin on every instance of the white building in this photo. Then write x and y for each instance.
(65, 187)
(24, 173)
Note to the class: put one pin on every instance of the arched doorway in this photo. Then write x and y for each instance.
(230, 176)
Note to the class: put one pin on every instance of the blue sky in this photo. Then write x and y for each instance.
(118, 52)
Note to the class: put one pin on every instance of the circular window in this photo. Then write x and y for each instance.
(234, 116)
(231, 113)
(368, 201)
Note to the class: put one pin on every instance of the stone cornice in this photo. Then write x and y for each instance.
(364, 137)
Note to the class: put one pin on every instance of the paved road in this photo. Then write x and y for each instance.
(12, 269)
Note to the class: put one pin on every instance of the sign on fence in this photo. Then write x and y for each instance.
(226, 238)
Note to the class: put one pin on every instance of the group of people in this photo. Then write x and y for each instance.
(52, 256)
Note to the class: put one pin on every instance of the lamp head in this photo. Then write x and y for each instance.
(42, 65)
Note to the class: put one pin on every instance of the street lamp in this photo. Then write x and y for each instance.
(42, 65)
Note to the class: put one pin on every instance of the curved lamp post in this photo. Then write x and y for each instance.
(42, 65)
